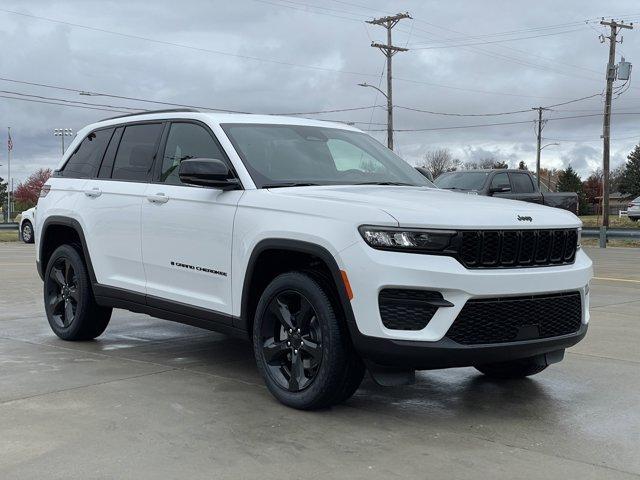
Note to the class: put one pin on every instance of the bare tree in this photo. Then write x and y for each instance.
(439, 161)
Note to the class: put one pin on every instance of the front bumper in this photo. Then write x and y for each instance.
(371, 271)
(446, 353)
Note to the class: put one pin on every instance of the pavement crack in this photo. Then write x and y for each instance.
(79, 387)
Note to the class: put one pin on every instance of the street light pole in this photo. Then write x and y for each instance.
(365, 84)
(62, 132)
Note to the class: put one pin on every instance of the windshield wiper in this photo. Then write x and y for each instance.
(289, 184)
(401, 184)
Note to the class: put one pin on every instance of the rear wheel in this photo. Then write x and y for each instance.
(301, 346)
(520, 368)
(71, 309)
(27, 232)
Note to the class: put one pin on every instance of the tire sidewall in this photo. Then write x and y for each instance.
(332, 348)
(71, 331)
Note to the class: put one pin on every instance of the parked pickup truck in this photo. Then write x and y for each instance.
(513, 184)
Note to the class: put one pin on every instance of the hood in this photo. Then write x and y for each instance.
(436, 208)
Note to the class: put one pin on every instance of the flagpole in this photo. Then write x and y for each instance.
(9, 174)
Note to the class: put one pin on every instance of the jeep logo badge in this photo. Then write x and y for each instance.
(524, 219)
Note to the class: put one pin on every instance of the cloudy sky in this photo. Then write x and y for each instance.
(280, 56)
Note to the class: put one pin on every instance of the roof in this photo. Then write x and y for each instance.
(214, 117)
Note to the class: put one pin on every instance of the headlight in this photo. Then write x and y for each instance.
(578, 246)
(407, 239)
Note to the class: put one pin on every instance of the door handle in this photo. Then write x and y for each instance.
(93, 193)
(158, 198)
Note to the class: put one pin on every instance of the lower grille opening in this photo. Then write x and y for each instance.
(511, 319)
(403, 309)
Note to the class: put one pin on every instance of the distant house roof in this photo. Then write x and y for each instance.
(617, 196)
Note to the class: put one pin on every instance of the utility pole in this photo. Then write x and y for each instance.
(539, 149)
(606, 124)
(389, 51)
(9, 182)
(62, 132)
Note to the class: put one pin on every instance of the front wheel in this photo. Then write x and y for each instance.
(27, 232)
(301, 345)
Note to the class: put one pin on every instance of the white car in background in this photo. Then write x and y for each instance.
(27, 222)
(633, 210)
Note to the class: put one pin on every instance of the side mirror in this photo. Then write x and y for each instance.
(499, 189)
(426, 173)
(207, 172)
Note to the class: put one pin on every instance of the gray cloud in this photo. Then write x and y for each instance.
(513, 75)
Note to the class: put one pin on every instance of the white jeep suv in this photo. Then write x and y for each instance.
(311, 239)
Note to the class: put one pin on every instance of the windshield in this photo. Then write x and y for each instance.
(295, 155)
(462, 180)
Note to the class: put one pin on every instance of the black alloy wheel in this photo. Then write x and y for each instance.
(71, 308)
(301, 342)
(63, 295)
(291, 341)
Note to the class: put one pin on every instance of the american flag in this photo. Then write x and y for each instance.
(10, 142)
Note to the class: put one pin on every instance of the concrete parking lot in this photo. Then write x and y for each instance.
(153, 400)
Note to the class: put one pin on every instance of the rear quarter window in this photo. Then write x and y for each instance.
(84, 162)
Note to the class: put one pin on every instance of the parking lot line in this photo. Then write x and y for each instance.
(611, 279)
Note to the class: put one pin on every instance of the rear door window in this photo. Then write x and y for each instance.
(500, 180)
(136, 152)
(84, 162)
(521, 183)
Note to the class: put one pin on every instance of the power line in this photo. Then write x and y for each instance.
(456, 127)
(171, 104)
(8, 92)
(575, 100)
(63, 104)
(420, 110)
(488, 42)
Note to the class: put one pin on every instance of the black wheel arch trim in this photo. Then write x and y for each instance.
(59, 220)
(302, 247)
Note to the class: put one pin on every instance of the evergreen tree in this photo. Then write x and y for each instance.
(630, 181)
(522, 165)
(569, 181)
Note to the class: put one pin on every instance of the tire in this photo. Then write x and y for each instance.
(634, 219)
(520, 368)
(301, 345)
(26, 231)
(71, 309)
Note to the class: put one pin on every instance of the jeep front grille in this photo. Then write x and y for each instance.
(516, 248)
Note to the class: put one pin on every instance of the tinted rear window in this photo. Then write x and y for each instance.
(85, 160)
(462, 180)
(134, 159)
(521, 183)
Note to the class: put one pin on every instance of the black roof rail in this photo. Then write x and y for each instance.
(166, 110)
